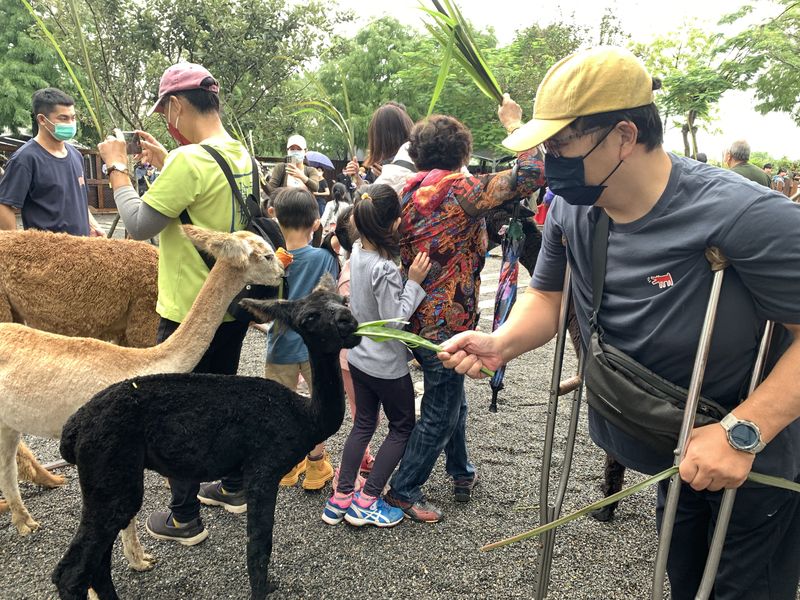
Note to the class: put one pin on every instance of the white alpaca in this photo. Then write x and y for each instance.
(45, 377)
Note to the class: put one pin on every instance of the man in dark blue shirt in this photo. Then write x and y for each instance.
(44, 178)
(595, 116)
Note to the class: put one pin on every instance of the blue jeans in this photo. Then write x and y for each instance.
(441, 426)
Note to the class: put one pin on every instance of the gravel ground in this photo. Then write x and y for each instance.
(443, 561)
(313, 560)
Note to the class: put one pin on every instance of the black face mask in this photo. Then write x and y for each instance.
(566, 178)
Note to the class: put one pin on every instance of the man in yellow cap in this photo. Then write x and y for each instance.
(595, 117)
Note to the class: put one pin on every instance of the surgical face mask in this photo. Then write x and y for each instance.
(566, 177)
(296, 156)
(62, 131)
(173, 129)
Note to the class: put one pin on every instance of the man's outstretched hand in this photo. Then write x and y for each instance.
(468, 352)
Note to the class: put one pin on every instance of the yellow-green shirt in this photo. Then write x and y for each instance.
(191, 179)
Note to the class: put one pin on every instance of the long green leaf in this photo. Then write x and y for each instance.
(443, 72)
(772, 481)
(450, 22)
(376, 331)
(769, 480)
(585, 510)
(86, 60)
(63, 58)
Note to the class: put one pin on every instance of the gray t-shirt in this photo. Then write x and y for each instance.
(658, 282)
(377, 293)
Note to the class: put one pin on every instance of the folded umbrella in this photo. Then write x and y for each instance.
(318, 159)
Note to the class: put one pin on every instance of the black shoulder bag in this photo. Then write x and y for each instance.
(256, 223)
(626, 393)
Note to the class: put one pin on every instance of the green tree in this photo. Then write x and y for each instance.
(27, 63)
(770, 52)
(521, 65)
(254, 48)
(694, 74)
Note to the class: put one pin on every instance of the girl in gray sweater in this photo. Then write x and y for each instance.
(379, 369)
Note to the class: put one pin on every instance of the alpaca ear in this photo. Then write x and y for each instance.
(326, 283)
(267, 310)
(231, 248)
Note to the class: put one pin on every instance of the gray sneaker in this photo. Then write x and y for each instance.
(162, 526)
(462, 488)
(213, 494)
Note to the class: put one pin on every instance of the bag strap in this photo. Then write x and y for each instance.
(405, 164)
(599, 260)
(226, 170)
(223, 164)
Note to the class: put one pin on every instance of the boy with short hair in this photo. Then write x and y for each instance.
(287, 356)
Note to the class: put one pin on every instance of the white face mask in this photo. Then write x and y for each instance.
(297, 156)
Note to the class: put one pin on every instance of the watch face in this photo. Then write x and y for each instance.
(743, 436)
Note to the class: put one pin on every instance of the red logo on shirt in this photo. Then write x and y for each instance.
(662, 281)
(81, 180)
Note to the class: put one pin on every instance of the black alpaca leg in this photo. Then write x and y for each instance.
(101, 581)
(262, 494)
(109, 503)
(613, 480)
(75, 572)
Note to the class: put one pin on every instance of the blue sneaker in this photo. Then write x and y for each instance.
(378, 513)
(333, 513)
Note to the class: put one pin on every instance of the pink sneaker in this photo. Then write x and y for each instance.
(360, 481)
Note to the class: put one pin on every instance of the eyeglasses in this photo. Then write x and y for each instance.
(553, 146)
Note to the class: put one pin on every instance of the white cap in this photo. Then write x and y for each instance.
(296, 140)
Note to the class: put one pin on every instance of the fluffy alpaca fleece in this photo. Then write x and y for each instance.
(77, 286)
(193, 426)
(45, 378)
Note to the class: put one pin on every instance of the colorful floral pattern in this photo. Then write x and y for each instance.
(455, 239)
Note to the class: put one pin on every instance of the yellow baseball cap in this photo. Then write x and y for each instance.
(597, 80)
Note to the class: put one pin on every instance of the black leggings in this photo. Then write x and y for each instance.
(222, 358)
(397, 398)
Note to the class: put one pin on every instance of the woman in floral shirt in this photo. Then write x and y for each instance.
(443, 208)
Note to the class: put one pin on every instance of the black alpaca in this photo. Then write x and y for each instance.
(201, 427)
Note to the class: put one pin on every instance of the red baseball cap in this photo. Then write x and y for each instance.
(181, 77)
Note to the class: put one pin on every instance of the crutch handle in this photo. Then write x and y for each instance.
(716, 258)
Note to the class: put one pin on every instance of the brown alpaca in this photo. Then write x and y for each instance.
(77, 286)
(80, 287)
(45, 377)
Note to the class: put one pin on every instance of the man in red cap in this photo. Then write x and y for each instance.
(191, 184)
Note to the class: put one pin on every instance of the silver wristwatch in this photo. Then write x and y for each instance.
(742, 435)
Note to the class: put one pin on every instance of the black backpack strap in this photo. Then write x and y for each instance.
(187, 220)
(405, 164)
(223, 164)
(599, 260)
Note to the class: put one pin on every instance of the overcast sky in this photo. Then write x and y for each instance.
(775, 133)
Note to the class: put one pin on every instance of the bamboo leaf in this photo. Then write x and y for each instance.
(68, 66)
(769, 480)
(86, 60)
(448, 24)
(376, 331)
(443, 72)
(585, 510)
(772, 481)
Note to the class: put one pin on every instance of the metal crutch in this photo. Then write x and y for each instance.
(728, 497)
(718, 263)
(548, 513)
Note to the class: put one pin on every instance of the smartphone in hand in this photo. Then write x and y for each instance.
(133, 144)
